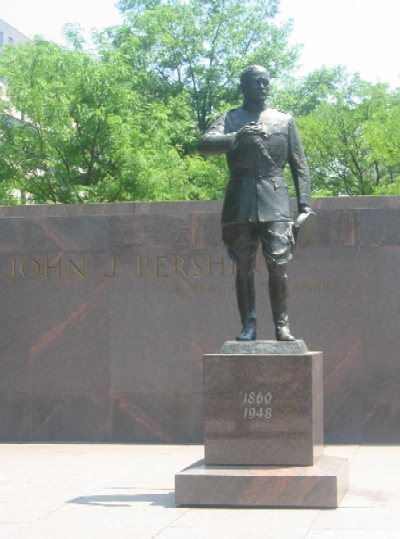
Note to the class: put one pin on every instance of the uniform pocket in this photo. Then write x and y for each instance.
(279, 181)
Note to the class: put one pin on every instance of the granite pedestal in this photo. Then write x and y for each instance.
(263, 431)
(263, 404)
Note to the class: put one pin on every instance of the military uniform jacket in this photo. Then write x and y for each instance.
(257, 189)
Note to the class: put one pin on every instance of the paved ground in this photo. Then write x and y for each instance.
(62, 491)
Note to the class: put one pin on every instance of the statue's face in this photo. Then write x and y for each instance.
(255, 86)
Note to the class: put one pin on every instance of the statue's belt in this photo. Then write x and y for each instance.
(275, 179)
(259, 172)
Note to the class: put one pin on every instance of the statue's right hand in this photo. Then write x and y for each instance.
(249, 130)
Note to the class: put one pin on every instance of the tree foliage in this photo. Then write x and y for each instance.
(123, 123)
(301, 97)
(82, 133)
(200, 46)
(352, 139)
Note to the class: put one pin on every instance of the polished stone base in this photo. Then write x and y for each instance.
(320, 486)
(263, 409)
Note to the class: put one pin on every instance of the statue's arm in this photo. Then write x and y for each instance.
(299, 168)
(216, 141)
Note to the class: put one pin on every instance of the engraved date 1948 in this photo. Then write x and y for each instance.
(255, 405)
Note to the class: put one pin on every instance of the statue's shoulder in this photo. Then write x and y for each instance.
(279, 115)
(235, 119)
(232, 113)
(235, 113)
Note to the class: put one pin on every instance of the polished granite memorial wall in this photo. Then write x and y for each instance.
(107, 310)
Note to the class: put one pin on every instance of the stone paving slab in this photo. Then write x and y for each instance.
(83, 491)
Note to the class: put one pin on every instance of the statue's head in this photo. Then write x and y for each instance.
(254, 82)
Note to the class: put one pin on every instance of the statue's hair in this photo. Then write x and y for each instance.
(250, 70)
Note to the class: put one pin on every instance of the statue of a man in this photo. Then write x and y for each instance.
(258, 143)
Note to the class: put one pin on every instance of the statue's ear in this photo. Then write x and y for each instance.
(242, 86)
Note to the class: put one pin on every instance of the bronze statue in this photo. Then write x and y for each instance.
(258, 143)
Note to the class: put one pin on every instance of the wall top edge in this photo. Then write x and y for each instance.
(178, 208)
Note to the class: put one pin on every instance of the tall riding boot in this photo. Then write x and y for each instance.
(278, 293)
(245, 294)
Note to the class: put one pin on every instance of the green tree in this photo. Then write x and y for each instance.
(200, 47)
(383, 134)
(302, 96)
(346, 136)
(123, 124)
(72, 109)
(82, 133)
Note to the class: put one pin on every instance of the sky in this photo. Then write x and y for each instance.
(360, 34)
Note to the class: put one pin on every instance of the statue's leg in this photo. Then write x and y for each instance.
(279, 294)
(242, 249)
(246, 300)
(277, 241)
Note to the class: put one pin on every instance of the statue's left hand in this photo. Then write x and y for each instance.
(304, 208)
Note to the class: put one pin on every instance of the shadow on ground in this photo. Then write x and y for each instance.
(166, 499)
